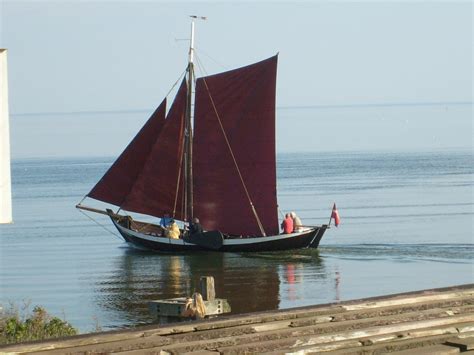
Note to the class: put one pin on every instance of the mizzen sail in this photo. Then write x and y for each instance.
(243, 100)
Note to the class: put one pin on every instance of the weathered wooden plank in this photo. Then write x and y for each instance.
(269, 326)
(132, 352)
(173, 329)
(267, 317)
(71, 342)
(466, 335)
(463, 344)
(393, 321)
(430, 350)
(388, 347)
(408, 300)
(386, 311)
(382, 343)
(466, 304)
(273, 316)
(113, 347)
(411, 334)
(466, 328)
(320, 348)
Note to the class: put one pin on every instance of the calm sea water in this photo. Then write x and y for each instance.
(407, 224)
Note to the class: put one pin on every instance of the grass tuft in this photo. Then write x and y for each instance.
(35, 325)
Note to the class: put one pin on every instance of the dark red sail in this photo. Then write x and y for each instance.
(144, 178)
(156, 190)
(245, 102)
(117, 182)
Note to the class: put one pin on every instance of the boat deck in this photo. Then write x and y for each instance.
(439, 321)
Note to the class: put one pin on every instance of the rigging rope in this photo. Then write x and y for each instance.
(100, 225)
(201, 67)
(224, 67)
(177, 182)
(281, 213)
(262, 230)
(82, 200)
(176, 83)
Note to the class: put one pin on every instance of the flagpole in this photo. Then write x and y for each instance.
(335, 215)
(331, 216)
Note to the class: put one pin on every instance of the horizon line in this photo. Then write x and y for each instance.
(385, 151)
(322, 106)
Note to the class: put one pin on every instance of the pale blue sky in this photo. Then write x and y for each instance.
(83, 56)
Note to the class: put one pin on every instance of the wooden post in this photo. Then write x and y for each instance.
(170, 310)
(206, 285)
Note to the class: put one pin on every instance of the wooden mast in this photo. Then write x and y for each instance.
(188, 144)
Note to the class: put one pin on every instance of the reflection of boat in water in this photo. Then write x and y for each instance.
(250, 282)
(220, 167)
(139, 277)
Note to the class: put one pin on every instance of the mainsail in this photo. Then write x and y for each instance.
(234, 168)
(144, 178)
(243, 100)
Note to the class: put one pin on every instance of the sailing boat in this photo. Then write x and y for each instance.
(220, 168)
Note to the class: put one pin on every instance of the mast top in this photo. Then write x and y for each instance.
(191, 45)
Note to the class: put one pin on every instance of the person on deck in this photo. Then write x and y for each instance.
(165, 221)
(172, 231)
(287, 224)
(297, 225)
(195, 227)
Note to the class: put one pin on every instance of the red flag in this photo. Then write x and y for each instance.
(335, 215)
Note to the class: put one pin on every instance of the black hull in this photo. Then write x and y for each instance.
(307, 239)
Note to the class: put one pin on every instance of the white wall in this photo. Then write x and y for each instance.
(5, 174)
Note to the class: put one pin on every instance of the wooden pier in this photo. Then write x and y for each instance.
(431, 322)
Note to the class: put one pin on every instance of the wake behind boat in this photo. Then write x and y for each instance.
(220, 167)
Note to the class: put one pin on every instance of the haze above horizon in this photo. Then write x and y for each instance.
(379, 75)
